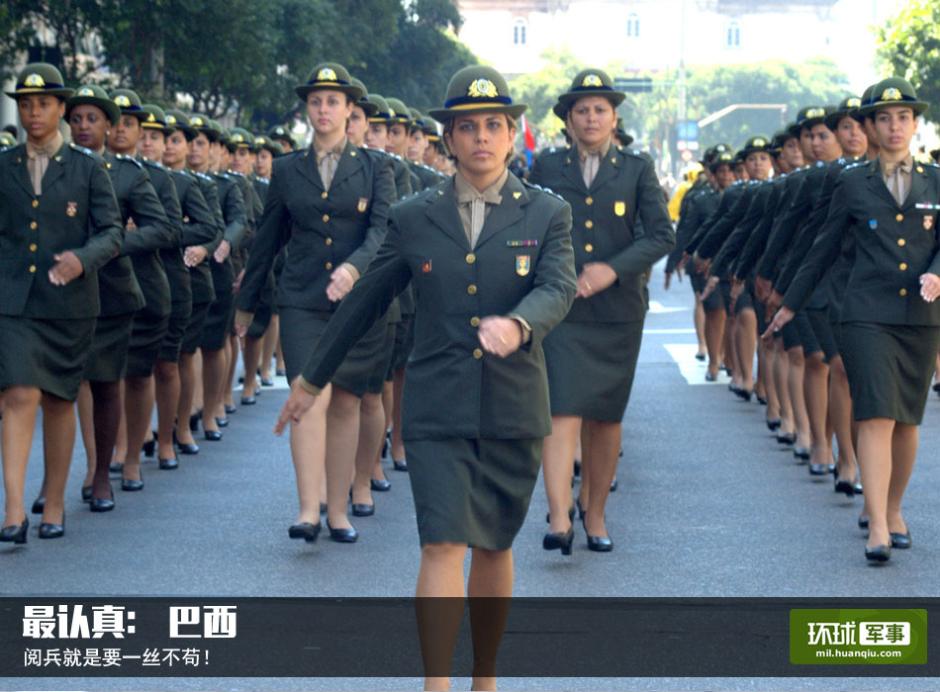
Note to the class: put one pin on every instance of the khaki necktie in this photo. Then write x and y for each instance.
(37, 161)
(896, 176)
(589, 167)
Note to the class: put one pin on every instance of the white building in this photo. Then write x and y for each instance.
(648, 36)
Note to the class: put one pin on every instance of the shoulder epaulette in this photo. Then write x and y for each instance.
(153, 164)
(235, 173)
(204, 176)
(83, 150)
(855, 165)
(820, 164)
(533, 186)
(261, 179)
(129, 159)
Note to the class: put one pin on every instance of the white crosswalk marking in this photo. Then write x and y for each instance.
(692, 370)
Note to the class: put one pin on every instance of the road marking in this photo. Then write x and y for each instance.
(657, 308)
(692, 370)
(677, 330)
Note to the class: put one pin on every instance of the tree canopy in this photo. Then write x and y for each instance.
(240, 56)
(909, 46)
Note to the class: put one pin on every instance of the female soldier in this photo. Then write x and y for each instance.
(889, 206)
(592, 355)
(202, 231)
(62, 225)
(492, 265)
(329, 205)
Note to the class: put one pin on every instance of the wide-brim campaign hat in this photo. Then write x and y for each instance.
(477, 89)
(40, 78)
(240, 138)
(818, 116)
(7, 140)
(201, 124)
(590, 82)
(154, 117)
(129, 103)
(383, 111)
(178, 120)
(400, 112)
(265, 142)
(847, 108)
(756, 144)
(797, 127)
(368, 108)
(329, 76)
(93, 95)
(725, 158)
(893, 91)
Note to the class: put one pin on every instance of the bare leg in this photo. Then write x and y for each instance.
(699, 320)
(439, 607)
(816, 393)
(20, 405)
(250, 357)
(766, 360)
(874, 456)
(86, 423)
(308, 452)
(840, 410)
(58, 424)
(228, 383)
(781, 376)
(795, 376)
(903, 455)
(490, 591)
(167, 384)
(368, 447)
(714, 334)
(108, 404)
(213, 380)
(199, 394)
(745, 325)
(188, 380)
(138, 405)
(557, 468)
(268, 346)
(398, 388)
(601, 458)
(120, 443)
(342, 439)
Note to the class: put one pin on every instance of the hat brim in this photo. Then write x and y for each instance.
(813, 122)
(64, 93)
(369, 109)
(919, 107)
(351, 90)
(833, 119)
(106, 105)
(444, 114)
(570, 97)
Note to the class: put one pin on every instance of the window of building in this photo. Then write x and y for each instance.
(633, 25)
(518, 32)
(733, 35)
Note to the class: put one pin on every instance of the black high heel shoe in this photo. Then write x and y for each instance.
(786, 438)
(548, 515)
(559, 541)
(116, 466)
(47, 530)
(169, 464)
(185, 447)
(863, 522)
(221, 422)
(845, 487)
(194, 420)
(362, 509)
(349, 535)
(230, 409)
(305, 530)
(102, 504)
(614, 484)
(39, 505)
(802, 455)
(400, 465)
(879, 553)
(773, 425)
(15, 533)
(150, 446)
(381, 485)
(87, 491)
(599, 544)
(213, 435)
(131, 485)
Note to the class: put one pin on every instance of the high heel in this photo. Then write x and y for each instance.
(773, 424)
(381, 485)
(614, 485)
(305, 530)
(229, 409)
(786, 438)
(185, 447)
(47, 530)
(349, 535)
(559, 541)
(194, 420)
(87, 492)
(116, 466)
(213, 435)
(221, 422)
(362, 509)
(845, 487)
(39, 505)
(131, 485)
(102, 504)
(901, 541)
(818, 470)
(599, 544)
(400, 465)
(863, 522)
(169, 464)
(802, 454)
(15, 533)
(879, 553)
(150, 446)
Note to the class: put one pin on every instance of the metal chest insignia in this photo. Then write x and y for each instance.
(523, 264)
(362, 205)
(71, 208)
(620, 208)
(928, 223)
(426, 267)
(873, 224)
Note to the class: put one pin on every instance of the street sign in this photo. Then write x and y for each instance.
(687, 130)
(635, 85)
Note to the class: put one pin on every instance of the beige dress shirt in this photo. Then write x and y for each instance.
(327, 160)
(897, 177)
(591, 162)
(37, 159)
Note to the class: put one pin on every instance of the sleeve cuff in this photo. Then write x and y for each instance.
(307, 387)
(526, 328)
(352, 270)
(243, 318)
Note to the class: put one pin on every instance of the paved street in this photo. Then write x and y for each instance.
(709, 505)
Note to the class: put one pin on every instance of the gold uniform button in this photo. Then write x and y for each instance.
(899, 217)
(474, 321)
(472, 289)
(902, 242)
(32, 269)
(903, 292)
(329, 241)
(589, 201)
(324, 194)
(326, 217)
(329, 265)
(35, 203)
(33, 225)
(471, 258)
(477, 353)
(903, 266)
(589, 224)
(32, 247)
(589, 248)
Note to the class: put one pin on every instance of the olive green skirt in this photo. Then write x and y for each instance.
(591, 367)
(473, 492)
(404, 344)
(192, 335)
(172, 342)
(147, 334)
(218, 322)
(890, 368)
(107, 361)
(300, 332)
(48, 354)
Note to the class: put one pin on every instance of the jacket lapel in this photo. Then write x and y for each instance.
(918, 188)
(349, 163)
(876, 184)
(608, 169)
(56, 168)
(306, 165)
(21, 172)
(442, 210)
(572, 169)
(507, 212)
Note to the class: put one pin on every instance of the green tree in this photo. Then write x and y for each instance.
(909, 46)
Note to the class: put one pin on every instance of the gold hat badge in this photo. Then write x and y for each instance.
(34, 81)
(86, 91)
(482, 88)
(122, 101)
(853, 103)
(760, 142)
(151, 118)
(815, 113)
(891, 94)
(592, 80)
(326, 74)
(171, 120)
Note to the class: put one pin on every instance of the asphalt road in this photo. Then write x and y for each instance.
(709, 505)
